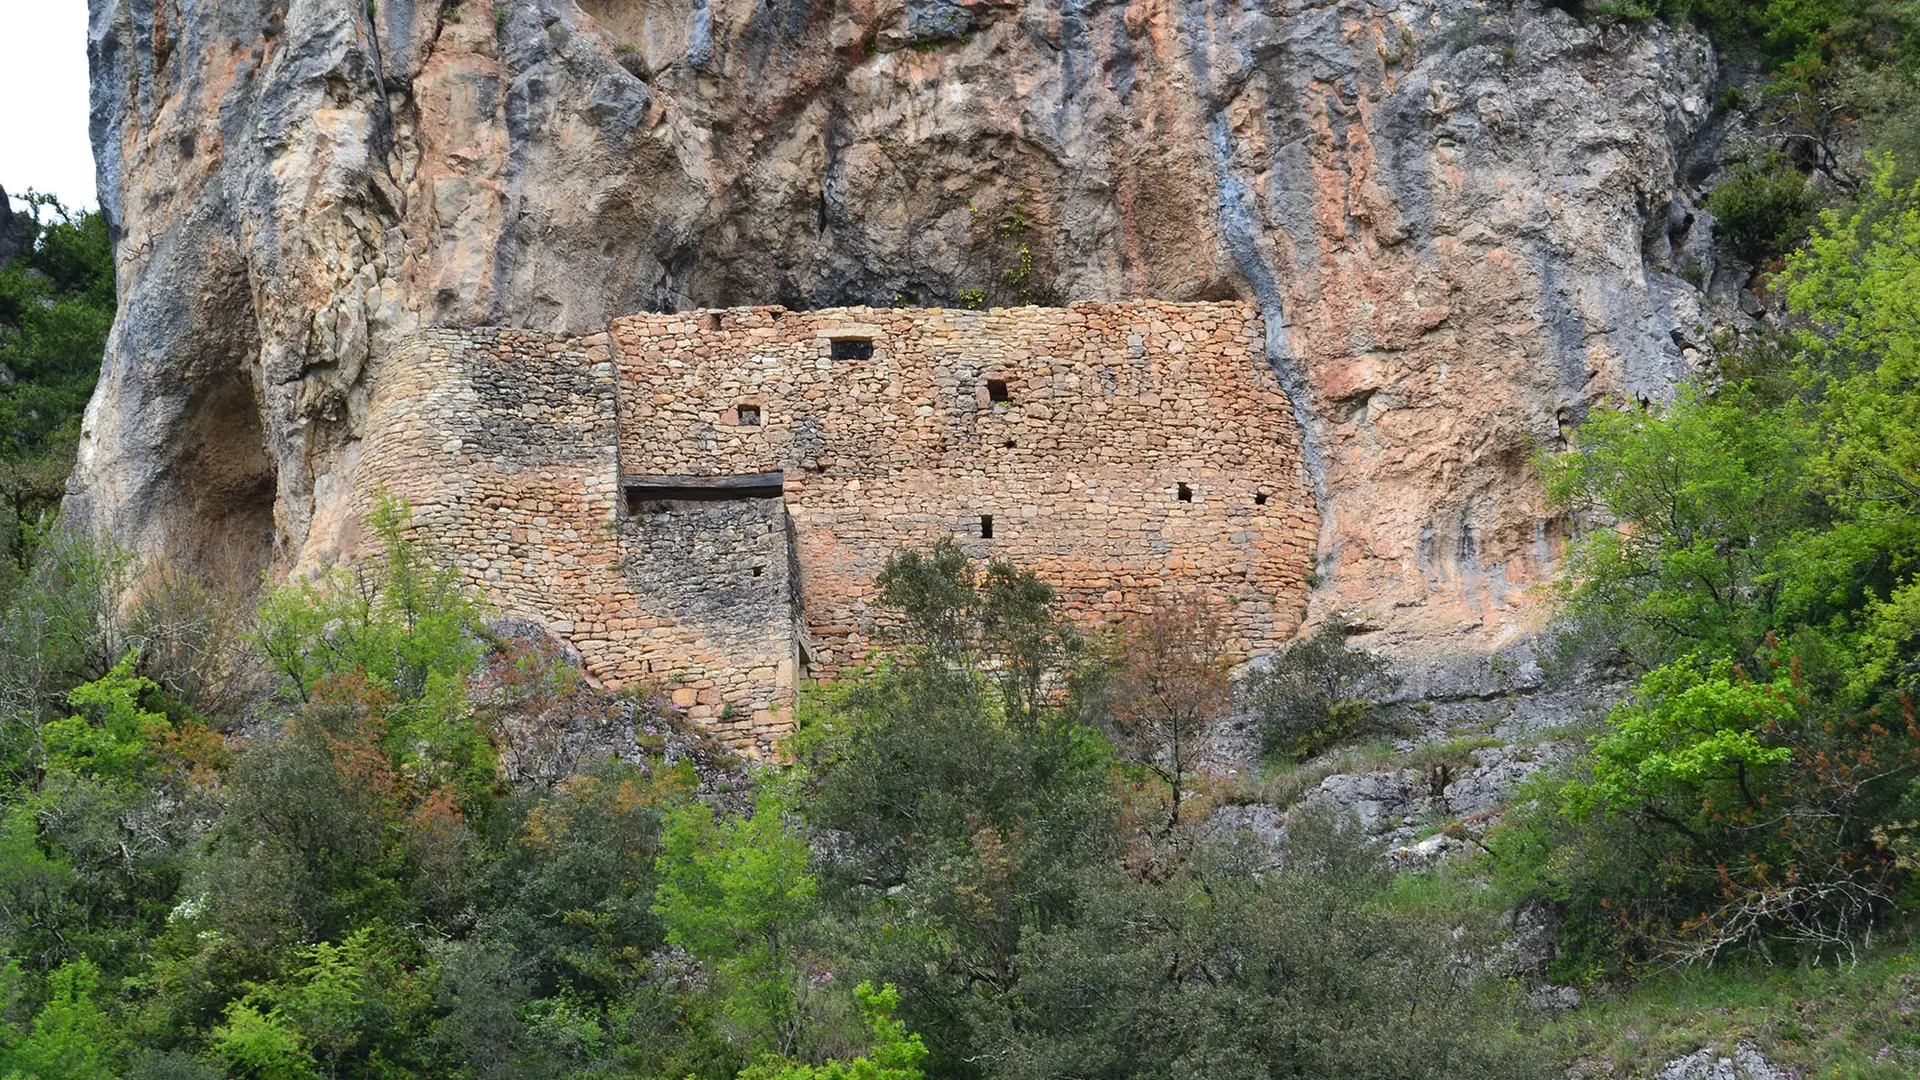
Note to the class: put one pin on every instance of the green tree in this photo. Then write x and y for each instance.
(572, 891)
(407, 629)
(964, 803)
(736, 892)
(896, 1055)
(257, 1045)
(74, 1037)
(1253, 963)
(1708, 495)
(56, 307)
(1762, 578)
(115, 738)
(1763, 209)
(1317, 692)
(960, 620)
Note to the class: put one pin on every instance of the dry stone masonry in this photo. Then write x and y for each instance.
(702, 502)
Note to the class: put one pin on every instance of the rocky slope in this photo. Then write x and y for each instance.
(1465, 224)
(15, 230)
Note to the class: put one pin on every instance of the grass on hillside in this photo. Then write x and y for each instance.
(1849, 1022)
(1858, 1021)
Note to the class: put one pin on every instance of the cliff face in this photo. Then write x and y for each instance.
(1464, 223)
(15, 230)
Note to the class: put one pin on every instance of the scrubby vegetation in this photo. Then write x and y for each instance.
(1757, 790)
(986, 861)
(272, 837)
(56, 306)
(1317, 693)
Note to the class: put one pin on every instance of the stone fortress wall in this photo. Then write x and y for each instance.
(702, 501)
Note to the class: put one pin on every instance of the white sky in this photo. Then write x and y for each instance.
(43, 99)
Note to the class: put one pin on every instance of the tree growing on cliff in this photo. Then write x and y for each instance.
(1763, 579)
(1169, 685)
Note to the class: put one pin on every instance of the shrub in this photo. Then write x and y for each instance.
(1255, 963)
(896, 1054)
(1316, 693)
(1763, 209)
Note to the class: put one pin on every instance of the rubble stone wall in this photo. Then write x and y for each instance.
(503, 443)
(1118, 450)
(1133, 448)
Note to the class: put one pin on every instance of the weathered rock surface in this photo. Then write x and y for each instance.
(1462, 221)
(550, 724)
(14, 235)
(1745, 1063)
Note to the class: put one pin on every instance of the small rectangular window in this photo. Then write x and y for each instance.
(997, 392)
(1259, 498)
(1184, 493)
(852, 349)
(747, 416)
(986, 526)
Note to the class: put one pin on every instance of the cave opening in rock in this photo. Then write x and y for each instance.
(227, 481)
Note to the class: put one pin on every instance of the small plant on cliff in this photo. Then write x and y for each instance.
(1014, 271)
(1316, 693)
(1763, 209)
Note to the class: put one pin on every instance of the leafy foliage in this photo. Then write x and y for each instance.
(896, 1054)
(1763, 209)
(734, 892)
(1761, 581)
(1252, 963)
(56, 307)
(1316, 693)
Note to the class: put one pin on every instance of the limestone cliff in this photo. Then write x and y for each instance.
(1463, 223)
(15, 230)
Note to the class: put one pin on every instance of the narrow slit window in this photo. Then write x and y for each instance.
(986, 526)
(852, 349)
(1184, 493)
(747, 415)
(997, 392)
